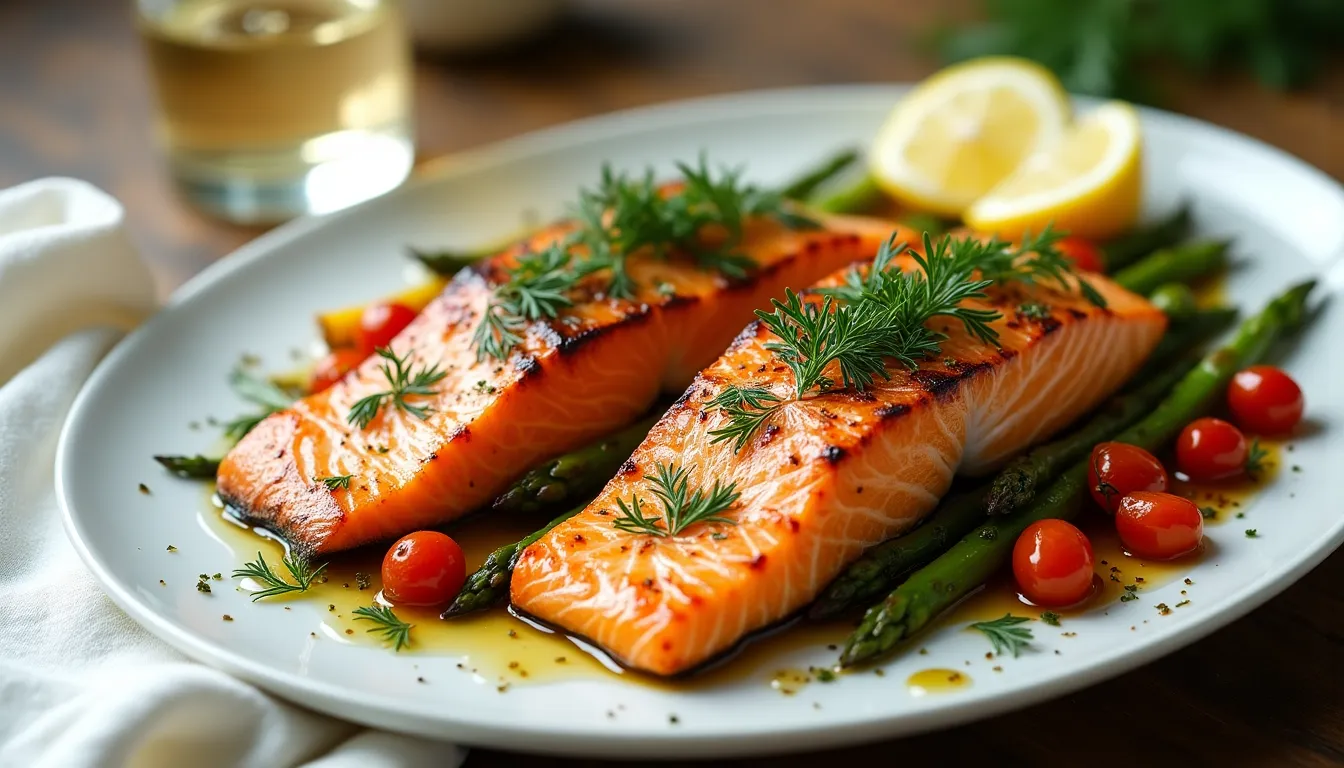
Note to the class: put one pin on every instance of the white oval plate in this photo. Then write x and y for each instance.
(1288, 221)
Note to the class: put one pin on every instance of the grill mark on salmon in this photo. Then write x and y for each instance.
(840, 474)
(569, 382)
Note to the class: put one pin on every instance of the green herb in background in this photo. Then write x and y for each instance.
(1100, 46)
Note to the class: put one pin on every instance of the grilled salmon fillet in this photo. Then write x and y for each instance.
(829, 476)
(571, 380)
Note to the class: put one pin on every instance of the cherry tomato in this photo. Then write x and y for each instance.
(333, 368)
(1052, 562)
(1159, 525)
(1118, 469)
(1083, 253)
(1211, 449)
(423, 568)
(1264, 399)
(380, 323)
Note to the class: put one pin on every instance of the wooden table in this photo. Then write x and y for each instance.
(1267, 690)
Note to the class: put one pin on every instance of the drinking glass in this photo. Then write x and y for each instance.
(268, 109)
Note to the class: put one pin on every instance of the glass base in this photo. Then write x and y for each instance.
(320, 175)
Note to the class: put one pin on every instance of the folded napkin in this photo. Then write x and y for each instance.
(80, 683)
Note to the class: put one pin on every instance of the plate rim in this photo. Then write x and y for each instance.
(385, 713)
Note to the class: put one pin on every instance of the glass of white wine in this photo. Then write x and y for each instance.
(269, 109)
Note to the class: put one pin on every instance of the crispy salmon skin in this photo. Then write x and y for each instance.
(829, 476)
(571, 380)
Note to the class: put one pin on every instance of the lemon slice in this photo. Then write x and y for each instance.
(965, 129)
(1089, 184)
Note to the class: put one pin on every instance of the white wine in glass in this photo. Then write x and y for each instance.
(269, 109)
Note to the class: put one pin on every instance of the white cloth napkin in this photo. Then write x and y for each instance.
(80, 683)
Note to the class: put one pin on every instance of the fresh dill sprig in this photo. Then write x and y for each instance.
(259, 391)
(748, 409)
(1005, 635)
(623, 215)
(336, 481)
(1255, 460)
(260, 571)
(1032, 261)
(878, 316)
(536, 289)
(405, 382)
(392, 628)
(682, 507)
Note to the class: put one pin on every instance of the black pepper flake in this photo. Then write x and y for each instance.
(331, 607)
(162, 583)
(362, 580)
(227, 617)
(513, 634)
(144, 489)
(171, 548)
(673, 719)
(1189, 582)
(1162, 609)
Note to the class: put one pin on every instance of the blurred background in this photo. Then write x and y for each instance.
(77, 98)
(76, 95)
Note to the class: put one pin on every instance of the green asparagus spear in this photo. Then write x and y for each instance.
(1129, 248)
(860, 197)
(805, 185)
(489, 584)
(1178, 264)
(572, 475)
(1173, 298)
(982, 552)
(193, 467)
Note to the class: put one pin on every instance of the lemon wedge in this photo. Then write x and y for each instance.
(963, 130)
(1089, 184)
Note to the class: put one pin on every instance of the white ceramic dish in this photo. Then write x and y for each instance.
(1288, 221)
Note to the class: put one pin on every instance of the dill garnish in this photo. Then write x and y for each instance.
(874, 317)
(404, 381)
(304, 576)
(882, 314)
(259, 391)
(1005, 635)
(1034, 310)
(393, 629)
(681, 507)
(336, 481)
(703, 218)
(535, 290)
(1255, 460)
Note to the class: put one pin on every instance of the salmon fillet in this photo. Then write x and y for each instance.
(571, 381)
(829, 476)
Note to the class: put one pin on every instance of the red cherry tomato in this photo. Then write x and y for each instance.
(1118, 469)
(1264, 399)
(1159, 525)
(380, 323)
(1052, 562)
(423, 568)
(1083, 253)
(333, 368)
(1211, 449)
